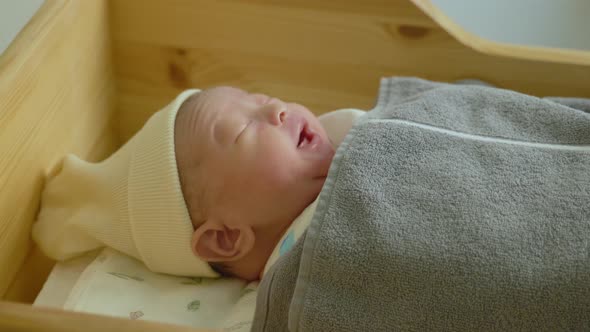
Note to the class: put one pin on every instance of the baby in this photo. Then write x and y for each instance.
(249, 165)
(209, 185)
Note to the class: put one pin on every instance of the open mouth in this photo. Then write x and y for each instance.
(305, 137)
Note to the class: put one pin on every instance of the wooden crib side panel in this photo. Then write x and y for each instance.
(323, 54)
(56, 94)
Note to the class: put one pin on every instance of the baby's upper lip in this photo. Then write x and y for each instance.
(303, 136)
(295, 125)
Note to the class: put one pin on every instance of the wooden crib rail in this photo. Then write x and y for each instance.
(24, 318)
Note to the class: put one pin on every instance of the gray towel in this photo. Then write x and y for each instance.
(447, 208)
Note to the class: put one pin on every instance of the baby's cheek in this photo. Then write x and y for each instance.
(276, 172)
(271, 157)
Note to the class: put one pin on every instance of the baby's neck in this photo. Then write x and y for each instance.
(250, 267)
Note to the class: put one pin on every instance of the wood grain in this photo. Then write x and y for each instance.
(23, 318)
(325, 55)
(56, 97)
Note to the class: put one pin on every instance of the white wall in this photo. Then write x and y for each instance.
(552, 23)
(14, 15)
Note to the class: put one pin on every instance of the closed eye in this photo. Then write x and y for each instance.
(242, 131)
(261, 99)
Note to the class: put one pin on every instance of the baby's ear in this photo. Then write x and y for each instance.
(215, 242)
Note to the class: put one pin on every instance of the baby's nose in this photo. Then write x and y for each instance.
(276, 113)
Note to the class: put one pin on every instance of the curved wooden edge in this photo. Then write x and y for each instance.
(503, 49)
(20, 318)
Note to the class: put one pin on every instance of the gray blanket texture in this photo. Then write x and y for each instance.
(447, 208)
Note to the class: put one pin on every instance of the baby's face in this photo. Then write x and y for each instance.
(261, 160)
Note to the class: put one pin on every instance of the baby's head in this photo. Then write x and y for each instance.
(248, 166)
(212, 180)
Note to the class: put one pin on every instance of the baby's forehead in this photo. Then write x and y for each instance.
(213, 100)
(217, 96)
(211, 111)
(187, 136)
(226, 90)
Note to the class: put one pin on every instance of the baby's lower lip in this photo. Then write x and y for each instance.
(309, 137)
(314, 143)
(315, 139)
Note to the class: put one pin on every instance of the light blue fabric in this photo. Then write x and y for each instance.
(288, 242)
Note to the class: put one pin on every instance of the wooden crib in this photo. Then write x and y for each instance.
(83, 76)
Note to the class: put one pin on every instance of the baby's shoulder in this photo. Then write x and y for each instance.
(341, 115)
(338, 123)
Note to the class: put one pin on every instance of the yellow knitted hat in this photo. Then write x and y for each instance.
(132, 202)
